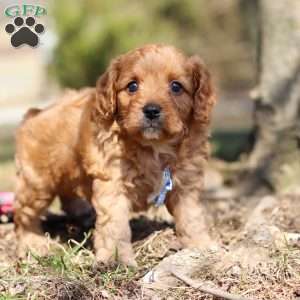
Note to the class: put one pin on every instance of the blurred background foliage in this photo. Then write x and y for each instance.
(82, 36)
(91, 32)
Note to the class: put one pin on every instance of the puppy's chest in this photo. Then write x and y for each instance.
(148, 179)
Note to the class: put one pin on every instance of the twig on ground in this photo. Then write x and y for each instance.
(213, 291)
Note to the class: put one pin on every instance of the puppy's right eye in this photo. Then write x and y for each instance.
(132, 86)
(176, 87)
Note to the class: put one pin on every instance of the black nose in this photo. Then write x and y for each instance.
(151, 111)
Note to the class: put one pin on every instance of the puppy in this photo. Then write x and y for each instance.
(140, 137)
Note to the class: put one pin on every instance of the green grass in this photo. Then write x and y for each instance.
(68, 270)
(8, 297)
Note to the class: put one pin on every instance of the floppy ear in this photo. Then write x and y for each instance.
(106, 102)
(204, 93)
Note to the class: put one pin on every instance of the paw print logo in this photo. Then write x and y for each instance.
(22, 34)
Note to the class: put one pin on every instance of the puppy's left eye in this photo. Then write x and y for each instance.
(132, 86)
(176, 87)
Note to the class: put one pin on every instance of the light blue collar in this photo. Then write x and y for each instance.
(167, 185)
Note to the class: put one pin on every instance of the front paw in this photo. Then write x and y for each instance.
(118, 255)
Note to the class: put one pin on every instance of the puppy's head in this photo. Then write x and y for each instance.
(155, 93)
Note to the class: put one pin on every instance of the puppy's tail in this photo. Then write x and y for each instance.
(31, 113)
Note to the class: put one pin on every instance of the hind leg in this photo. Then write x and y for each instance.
(30, 205)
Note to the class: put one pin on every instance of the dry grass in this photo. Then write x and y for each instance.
(277, 280)
(70, 272)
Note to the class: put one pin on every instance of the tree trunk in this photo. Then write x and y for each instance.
(275, 158)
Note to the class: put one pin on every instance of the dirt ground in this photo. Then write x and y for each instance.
(69, 271)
